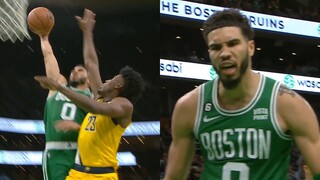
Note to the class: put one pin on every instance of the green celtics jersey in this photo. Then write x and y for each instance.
(59, 107)
(243, 144)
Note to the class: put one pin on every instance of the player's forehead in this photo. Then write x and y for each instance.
(118, 77)
(225, 34)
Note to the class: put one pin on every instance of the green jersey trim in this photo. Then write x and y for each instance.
(199, 110)
(273, 112)
(243, 110)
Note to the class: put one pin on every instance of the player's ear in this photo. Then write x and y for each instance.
(251, 47)
(119, 85)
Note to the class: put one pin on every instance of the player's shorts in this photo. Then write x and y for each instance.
(58, 159)
(94, 173)
(57, 163)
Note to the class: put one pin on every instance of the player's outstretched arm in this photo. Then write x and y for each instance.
(182, 147)
(50, 61)
(86, 24)
(300, 120)
(119, 107)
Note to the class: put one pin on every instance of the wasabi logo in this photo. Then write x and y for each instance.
(289, 81)
(213, 73)
(172, 67)
(309, 83)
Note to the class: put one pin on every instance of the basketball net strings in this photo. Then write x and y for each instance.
(13, 23)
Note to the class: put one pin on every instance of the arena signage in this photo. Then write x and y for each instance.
(26, 126)
(196, 11)
(206, 72)
(35, 158)
(184, 69)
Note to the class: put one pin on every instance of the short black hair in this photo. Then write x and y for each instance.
(228, 18)
(133, 84)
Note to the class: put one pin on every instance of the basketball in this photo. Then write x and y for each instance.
(40, 20)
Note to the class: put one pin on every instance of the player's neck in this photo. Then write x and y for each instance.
(243, 92)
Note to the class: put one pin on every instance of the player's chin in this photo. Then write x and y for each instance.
(228, 78)
(73, 83)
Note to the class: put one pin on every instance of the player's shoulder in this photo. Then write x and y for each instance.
(290, 101)
(294, 112)
(286, 95)
(123, 102)
(188, 100)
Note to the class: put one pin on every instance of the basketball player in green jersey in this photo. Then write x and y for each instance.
(244, 121)
(60, 148)
(109, 114)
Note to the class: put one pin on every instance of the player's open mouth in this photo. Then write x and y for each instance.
(228, 69)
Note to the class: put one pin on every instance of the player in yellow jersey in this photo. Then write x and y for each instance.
(109, 114)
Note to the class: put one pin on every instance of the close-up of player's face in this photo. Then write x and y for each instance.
(78, 76)
(111, 85)
(230, 53)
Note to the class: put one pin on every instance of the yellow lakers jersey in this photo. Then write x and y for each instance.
(98, 141)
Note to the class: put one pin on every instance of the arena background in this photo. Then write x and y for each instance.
(181, 42)
(126, 33)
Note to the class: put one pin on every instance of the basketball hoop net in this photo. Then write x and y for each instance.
(13, 24)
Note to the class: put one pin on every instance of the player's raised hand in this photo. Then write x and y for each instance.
(87, 22)
(47, 83)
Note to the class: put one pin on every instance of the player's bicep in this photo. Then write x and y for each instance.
(302, 123)
(299, 117)
(305, 131)
(51, 66)
(181, 120)
(181, 153)
(50, 61)
(182, 148)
